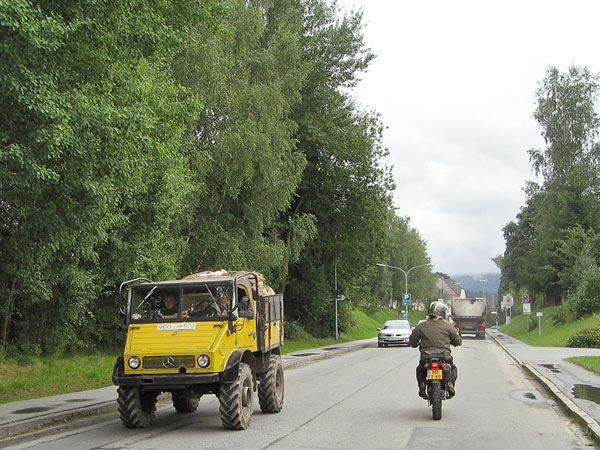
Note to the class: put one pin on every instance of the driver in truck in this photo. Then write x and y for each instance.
(435, 334)
(169, 305)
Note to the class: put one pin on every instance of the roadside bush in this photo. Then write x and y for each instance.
(584, 299)
(293, 330)
(586, 338)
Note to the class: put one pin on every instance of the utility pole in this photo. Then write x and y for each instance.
(336, 299)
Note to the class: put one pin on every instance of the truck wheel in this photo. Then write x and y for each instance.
(271, 386)
(183, 403)
(136, 408)
(435, 394)
(236, 400)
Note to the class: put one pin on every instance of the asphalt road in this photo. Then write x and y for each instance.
(365, 399)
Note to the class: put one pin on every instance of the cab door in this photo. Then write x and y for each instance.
(245, 324)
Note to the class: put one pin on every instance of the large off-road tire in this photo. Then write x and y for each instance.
(183, 403)
(236, 400)
(271, 386)
(136, 408)
(435, 397)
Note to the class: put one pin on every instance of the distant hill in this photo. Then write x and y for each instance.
(474, 287)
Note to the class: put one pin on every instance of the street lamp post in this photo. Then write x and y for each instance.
(405, 272)
(483, 287)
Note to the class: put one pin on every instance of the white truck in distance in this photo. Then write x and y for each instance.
(468, 315)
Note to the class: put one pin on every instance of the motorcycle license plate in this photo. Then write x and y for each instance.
(434, 374)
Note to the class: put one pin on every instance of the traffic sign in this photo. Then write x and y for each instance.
(526, 308)
(525, 298)
(406, 299)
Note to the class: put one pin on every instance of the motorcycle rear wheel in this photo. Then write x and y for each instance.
(435, 396)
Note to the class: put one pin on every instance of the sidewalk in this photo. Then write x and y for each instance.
(28, 415)
(576, 389)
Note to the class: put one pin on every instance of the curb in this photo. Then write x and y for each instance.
(303, 360)
(27, 425)
(18, 428)
(591, 427)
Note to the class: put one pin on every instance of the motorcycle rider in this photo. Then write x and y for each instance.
(435, 334)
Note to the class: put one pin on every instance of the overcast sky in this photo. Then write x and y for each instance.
(454, 82)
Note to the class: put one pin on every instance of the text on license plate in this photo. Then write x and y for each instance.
(434, 374)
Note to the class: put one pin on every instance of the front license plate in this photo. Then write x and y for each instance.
(434, 374)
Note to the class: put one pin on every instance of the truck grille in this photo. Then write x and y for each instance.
(168, 362)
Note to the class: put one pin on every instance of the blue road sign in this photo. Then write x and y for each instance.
(406, 299)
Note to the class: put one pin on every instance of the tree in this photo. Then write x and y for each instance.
(342, 186)
(405, 249)
(92, 176)
(241, 149)
(157, 139)
(539, 245)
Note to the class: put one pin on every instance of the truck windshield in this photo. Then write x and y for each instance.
(202, 301)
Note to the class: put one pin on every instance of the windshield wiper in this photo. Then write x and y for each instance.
(146, 297)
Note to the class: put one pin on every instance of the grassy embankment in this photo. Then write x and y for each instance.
(24, 378)
(552, 334)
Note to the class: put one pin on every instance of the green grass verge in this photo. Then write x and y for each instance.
(588, 362)
(551, 334)
(22, 379)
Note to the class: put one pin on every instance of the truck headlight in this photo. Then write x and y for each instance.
(134, 362)
(203, 361)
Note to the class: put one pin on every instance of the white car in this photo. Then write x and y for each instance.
(394, 332)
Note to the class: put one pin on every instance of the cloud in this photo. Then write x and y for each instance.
(455, 85)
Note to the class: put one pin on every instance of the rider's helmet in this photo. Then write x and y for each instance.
(438, 309)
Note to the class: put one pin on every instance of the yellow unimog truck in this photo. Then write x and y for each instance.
(208, 333)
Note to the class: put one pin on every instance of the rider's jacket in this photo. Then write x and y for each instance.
(434, 334)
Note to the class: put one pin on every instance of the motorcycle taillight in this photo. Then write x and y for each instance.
(434, 366)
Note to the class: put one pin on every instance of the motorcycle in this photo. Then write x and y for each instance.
(438, 376)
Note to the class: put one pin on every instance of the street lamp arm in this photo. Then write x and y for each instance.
(405, 272)
(416, 267)
(391, 267)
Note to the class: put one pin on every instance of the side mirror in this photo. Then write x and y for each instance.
(378, 329)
